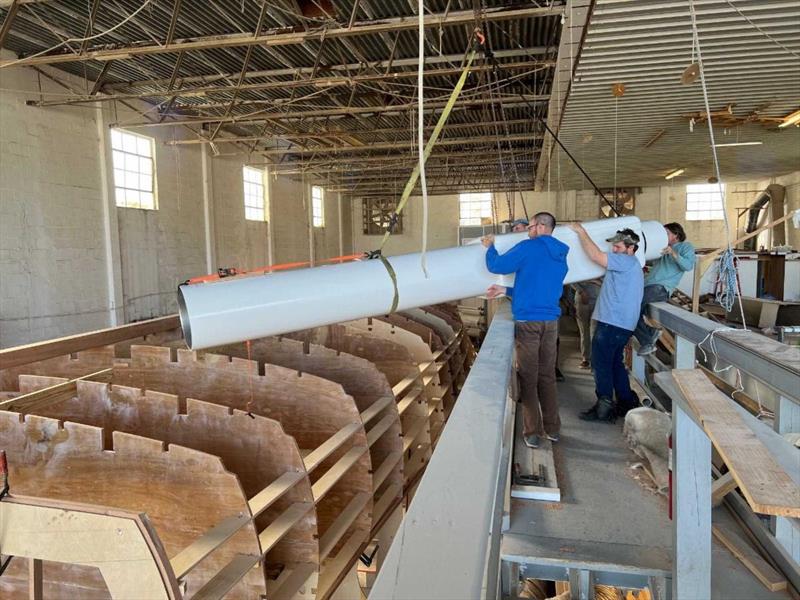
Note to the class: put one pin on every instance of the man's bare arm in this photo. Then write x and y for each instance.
(591, 249)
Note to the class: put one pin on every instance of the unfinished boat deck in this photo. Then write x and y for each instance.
(606, 523)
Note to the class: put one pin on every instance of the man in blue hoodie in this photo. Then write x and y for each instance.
(540, 265)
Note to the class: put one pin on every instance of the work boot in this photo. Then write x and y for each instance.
(590, 414)
(623, 406)
(603, 410)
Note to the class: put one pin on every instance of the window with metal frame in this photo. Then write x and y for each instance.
(134, 170)
(317, 206)
(704, 202)
(377, 214)
(255, 194)
(475, 208)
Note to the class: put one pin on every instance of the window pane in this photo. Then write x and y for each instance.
(143, 146)
(131, 162)
(145, 165)
(132, 199)
(146, 183)
(116, 139)
(119, 160)
(128, 143)
(253, 187)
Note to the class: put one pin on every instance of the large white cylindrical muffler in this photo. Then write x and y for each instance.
(252, 306)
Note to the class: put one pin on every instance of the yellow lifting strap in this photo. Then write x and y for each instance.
(412, 181)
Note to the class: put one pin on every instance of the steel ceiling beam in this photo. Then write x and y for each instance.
(318, 82)
(334, 135)
(344, 67)
(291, 38)
(518, 99)
(404, 145)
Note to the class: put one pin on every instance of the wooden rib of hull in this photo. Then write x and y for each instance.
(396, 363)
(309, 408)
(255, 448)
(122, 545)
(358, 377)
(69, 461)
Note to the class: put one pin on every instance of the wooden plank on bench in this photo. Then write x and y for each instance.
(329, 446)
(722, 487)
(767, 487)
(759, 567)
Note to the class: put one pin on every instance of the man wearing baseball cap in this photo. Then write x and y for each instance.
(616, 312)
(519, 226)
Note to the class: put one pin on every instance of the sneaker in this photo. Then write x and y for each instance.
(650, 346)
(584, 364)
(646, 349)
(532, 441)
(559, 375)
(554, 437)
(604, 410)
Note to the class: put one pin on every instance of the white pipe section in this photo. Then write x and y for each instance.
(250, 307)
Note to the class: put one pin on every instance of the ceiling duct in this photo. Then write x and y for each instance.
(766, 208)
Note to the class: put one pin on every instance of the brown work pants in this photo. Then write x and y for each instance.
(536, 365)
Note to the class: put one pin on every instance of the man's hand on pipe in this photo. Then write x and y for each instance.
(487, 240)
(495, 290)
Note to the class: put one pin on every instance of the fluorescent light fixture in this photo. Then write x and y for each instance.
(675, 173)
(792, 119)
(730, 144)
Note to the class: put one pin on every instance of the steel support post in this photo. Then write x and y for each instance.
(691, 507)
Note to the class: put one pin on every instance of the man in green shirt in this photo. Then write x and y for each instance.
(662, 279)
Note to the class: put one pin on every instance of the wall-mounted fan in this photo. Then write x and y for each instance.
(623, 199)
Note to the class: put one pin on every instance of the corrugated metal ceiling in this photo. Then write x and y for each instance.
(751, 52)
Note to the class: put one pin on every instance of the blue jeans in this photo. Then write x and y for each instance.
(610, 374)
(652, 293)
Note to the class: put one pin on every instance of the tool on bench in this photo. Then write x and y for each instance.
(530, 479)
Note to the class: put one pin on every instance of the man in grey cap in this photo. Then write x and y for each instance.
(616, 312)
(519, 226)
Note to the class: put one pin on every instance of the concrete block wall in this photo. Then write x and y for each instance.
(71, 261)
(159, 249)
(52, 255)
(661, 203)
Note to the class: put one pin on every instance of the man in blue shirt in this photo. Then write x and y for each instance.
(664, 276)
(540, 265)
(616, 312)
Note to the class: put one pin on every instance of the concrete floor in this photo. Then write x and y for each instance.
(606, 520)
